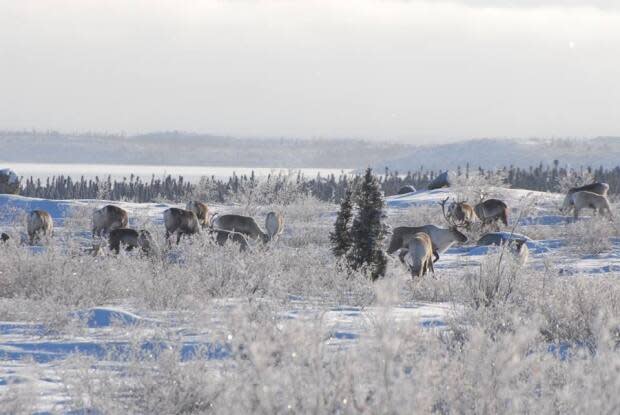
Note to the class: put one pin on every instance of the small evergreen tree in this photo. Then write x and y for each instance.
(341, 236)
(368, 231)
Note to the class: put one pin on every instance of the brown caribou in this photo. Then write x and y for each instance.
(420, 255)
(461, 213)
(108, 218)
(274, 224)
(201, 210)
(180, 221)
(130, 239)
(39, 223)
(222, 237)
(491, 211)
(244, 225)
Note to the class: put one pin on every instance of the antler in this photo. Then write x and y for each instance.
(448, 217)
(443, 210)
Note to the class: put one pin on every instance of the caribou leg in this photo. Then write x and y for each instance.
(402, 254)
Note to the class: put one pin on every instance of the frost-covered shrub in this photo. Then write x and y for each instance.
(580, 311)
(590, 237)
(493, 283)
(282, 366)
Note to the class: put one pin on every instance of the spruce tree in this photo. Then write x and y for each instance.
(368, 231)
(341, 237)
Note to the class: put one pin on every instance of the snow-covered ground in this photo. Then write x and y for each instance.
(30, 352)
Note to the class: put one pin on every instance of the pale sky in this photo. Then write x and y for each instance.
(417, 71)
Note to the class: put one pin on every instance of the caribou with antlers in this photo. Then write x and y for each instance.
(461, 213)
(441, 239)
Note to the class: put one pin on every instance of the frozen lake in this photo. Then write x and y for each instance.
(118, 171)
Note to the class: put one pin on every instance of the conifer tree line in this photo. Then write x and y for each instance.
(281, 186)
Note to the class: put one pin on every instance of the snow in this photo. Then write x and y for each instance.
(109, 332)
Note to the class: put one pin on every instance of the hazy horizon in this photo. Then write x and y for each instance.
(417, 72)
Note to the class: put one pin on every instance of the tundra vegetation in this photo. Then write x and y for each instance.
(518, 338)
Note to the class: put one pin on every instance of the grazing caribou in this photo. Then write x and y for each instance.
(4, 237)
(130, 239)
(222, 237)
(598, 188)
(244, 225)
(441, 239)
(201, 210)
(516, 243)
(274, 224)
(491, 211)
(420, 255)
(108, 218)
(39, 223)
(583, 200)
(180, 221)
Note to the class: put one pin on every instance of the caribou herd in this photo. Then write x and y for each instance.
(419, 247)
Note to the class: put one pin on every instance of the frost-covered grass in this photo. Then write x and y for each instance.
(298, 334)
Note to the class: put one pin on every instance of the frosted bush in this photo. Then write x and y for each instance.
(279, 366)
(590, 237)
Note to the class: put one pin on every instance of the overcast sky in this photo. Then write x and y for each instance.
(419, 71)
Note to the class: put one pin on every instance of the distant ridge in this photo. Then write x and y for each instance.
(490, 153)
(189, 149)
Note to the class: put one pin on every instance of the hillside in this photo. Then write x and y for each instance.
(490, 153)
(183, 149)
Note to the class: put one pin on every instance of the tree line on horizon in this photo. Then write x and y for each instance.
(280, 187)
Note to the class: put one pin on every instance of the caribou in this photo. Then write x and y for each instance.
(221, 237)
(462, 213)
(516, 243)
(180, 221)
(491, 211)
(598, 188)
(5, 237)
(420, 253)
(108, 218)
(441, 239)
(582, 200)
(274, 224)
(244, 225)
(130, 239)
(201, 210)
(39, 223)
